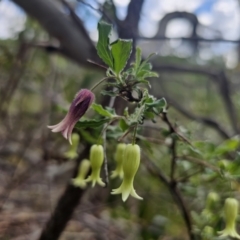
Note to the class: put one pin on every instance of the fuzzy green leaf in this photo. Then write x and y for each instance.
(95, 123)
(103, 50)
(100, 110)
(121, 50)
(109, 93)
(123, 125)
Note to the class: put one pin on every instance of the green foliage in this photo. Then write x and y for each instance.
(121, 50)
(103, 50)
(100, 110)
(204, 162)
(91, 123)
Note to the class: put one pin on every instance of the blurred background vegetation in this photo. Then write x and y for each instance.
(44, 48)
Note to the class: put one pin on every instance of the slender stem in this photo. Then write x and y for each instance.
(101, 81)
(200, 162)
(125, 134)
(176, 194)
(134, 134)
(104, 136)
(173, 145)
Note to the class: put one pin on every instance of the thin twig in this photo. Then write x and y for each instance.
(176, 194)
(99, 10)
(99, 82)
(104, 136)
(198, 39)
(172, 146)
(200, 162)
(204, 120)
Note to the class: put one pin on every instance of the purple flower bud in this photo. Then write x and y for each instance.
(79, 106)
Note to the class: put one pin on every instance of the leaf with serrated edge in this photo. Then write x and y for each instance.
(103, 50)
(121, 50)
(100, 110)
(108, 93)
(91, 123)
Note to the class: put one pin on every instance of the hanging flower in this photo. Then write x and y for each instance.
(96, 159)
(119, 160)
(230, 213)
(83, 169)
(131, 161)
(212, 200)
(79, 106)
(72, 152)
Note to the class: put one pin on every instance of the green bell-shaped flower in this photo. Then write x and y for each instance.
(230, 213)
(96, 159)
(212, 200)
(118, 172)
(72, 152)
(83, 169)
(131, 161)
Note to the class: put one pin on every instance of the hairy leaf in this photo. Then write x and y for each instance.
(100, 110)
(94, 123)
(103, 50)
(121, 50)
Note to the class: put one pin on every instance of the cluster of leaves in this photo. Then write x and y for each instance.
(125, 83)
(201, 161)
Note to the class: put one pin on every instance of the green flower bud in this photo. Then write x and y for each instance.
(119, 160)
(212, 200)
(223, 164)
(207, 233)
(230, 213)
(83, 169)
(131, 161)
(96, 159)
(207, 215)
(72, 152)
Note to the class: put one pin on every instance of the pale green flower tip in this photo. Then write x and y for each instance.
(116, 173)
(85, 165)
(71, 155)
(135, 195)
(125, 193)
(94, 181)
(229, 232)
(212, 199)
(79, 183)
(101, 183)
(125, 196)
(75, 139)
(117, 190)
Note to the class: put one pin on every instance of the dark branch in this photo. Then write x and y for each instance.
(193, 39)
(65, 207)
